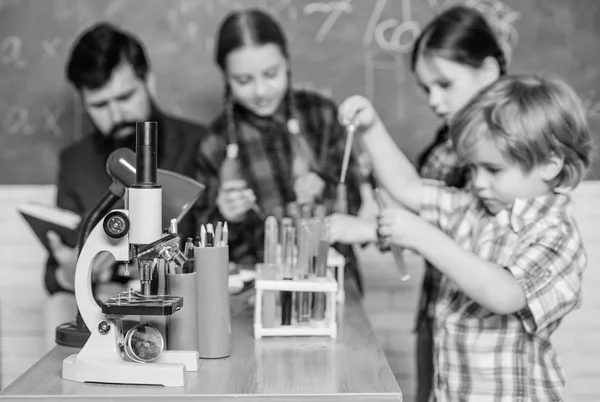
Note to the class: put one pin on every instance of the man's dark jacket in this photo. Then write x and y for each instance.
(83, 180)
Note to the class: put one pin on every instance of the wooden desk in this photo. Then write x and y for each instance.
(351, 367)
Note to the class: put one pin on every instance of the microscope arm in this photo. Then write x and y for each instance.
(96, 242)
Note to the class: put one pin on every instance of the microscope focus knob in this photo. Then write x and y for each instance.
(116, 224)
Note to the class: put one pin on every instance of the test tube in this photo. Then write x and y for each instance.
(318, 311)
(287, 263)
(303, 299)
(270, 258)
(396, 249)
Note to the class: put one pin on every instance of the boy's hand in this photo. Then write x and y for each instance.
(401, 227)
(235, 199)
(350, 229)
(358, 110)
(308, 187)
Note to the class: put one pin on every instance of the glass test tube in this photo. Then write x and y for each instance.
(288, 245)
(303, 299)
(270, 259)
(318, 311)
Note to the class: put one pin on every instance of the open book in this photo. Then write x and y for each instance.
(44, 218)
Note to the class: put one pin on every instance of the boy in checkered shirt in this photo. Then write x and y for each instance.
(508, 247)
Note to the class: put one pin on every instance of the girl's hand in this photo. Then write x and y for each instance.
(358, 110)
(402, 227)
(235, 199)
(308, 187)
(350, 229)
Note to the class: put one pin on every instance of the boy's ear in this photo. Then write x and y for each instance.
(491, 69)
(552, 168)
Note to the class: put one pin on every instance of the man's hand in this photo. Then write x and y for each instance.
(235, 199)
(65, 256)
(308, 187)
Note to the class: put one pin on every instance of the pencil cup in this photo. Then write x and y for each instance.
(212, 285)
(182, 326)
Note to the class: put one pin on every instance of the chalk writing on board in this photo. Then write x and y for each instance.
(333, 8)
(51, 120)
(16, 121)
(19, 120)
(51, 48)
(391, 34)
(498, 14)
(11, 49)
(271, 5)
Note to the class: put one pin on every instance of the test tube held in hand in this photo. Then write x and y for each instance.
(231, 170)
(396, 249)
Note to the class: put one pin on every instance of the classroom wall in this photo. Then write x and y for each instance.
(338, 47)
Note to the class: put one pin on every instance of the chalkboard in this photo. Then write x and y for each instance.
(338, 47)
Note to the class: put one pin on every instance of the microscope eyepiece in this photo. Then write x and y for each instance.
(146, 133)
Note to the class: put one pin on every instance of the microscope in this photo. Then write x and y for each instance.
(133, 235)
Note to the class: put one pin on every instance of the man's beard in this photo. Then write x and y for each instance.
(111, 141)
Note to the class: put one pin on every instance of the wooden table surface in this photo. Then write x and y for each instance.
(351, 367)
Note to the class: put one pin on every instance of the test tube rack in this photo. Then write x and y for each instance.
(336, 262)
(328, 285)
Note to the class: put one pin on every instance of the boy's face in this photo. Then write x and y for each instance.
(115, 107)
(257, 76)
(498, 182)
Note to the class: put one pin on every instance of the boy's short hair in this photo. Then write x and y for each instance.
(530, 119)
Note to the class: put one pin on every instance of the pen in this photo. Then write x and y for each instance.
(202, 236)
(210, 235)
(218, 231)
(225, 234)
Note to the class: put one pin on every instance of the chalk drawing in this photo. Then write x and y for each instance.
(11, 48)
(335, 10)
(51, 120)
(50, 48)
(391, 34)
(16, 121)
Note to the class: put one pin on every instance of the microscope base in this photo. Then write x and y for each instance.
(100, 361)
(122, 372)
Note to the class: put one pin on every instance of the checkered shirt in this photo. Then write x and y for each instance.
(482, 356)
(265, 156)
(440, 162)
